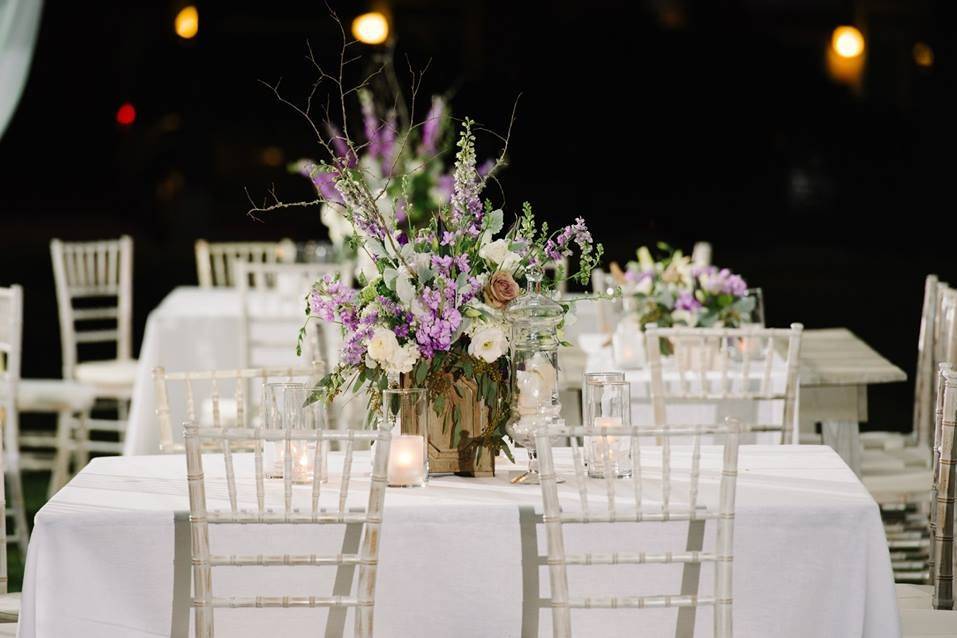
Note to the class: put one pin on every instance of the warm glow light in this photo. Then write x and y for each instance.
(371, 28)
(126, 114)
(923, 55)
(187, 22)
(847, 42)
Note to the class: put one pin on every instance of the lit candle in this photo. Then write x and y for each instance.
(604, 448)
(407, 461)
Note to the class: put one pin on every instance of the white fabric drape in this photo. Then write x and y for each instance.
(19, 22)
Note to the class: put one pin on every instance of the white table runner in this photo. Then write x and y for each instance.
(459, 557)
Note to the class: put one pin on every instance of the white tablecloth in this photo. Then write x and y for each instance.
(193, 329)
(110, 558)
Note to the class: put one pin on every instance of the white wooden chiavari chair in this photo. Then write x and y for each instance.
(69, 400)
(727, 364)
(9, 603)
(201, 517)
(929, 610)
(894, 451)
(99, 276)
(11, 317)
(701, 254)
(272, 307)
(214, 260)
(204, 400)
(656, 499)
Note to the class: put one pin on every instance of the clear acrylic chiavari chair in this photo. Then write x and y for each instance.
(274, 506)
(657, 491)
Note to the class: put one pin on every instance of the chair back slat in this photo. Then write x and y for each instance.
(718, 507)
(204, 600)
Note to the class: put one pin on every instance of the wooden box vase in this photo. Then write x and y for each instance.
(457, 418)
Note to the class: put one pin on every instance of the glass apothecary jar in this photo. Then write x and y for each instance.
(534, 319)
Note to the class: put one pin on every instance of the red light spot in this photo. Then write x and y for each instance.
(126, 114)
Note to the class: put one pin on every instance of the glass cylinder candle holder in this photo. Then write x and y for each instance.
(286, 407)
(595, 378)
(628, 342)
(405, 415)
(609, 405)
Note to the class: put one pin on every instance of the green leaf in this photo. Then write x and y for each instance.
(496, 219)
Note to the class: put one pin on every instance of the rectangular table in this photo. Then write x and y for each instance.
(110, 557)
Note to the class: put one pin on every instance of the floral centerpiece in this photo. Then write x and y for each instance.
(672, 291)
(432, 314)
(429, 307)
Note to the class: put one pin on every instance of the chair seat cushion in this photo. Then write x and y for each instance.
(914, 596)
(911, 481)
(923, 623)
(9, 607)
(113, 373)
(54, 395)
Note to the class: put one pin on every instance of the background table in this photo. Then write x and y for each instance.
(836, 368)
(110, 557)
(194, 329)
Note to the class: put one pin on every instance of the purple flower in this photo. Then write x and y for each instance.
(340, 146)
(431, 127)
(687, 301)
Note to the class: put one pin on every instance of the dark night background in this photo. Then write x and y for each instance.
(656, 120)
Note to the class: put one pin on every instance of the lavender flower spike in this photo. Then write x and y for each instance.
(432, 126)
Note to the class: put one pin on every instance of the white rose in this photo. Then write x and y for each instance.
(382, 345)
(684, 317)
(488, 344)
(498, 253)
(403, 359)
(644, 286)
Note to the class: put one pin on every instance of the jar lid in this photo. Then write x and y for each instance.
(533, 305)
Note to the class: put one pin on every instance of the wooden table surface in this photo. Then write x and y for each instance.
(836, 356)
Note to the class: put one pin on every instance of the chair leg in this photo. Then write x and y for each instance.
(82, 448)
(18, 505)
(364, 615)
(64, 448)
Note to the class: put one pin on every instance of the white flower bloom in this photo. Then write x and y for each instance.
(498, 253)
(339, 227)
(367, 266)
(645, 259)
(488, 343)
(403, 359)
(644, 286)
(382, 345)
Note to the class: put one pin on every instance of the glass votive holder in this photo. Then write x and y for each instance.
(405, 415)
(608, 406)
(286, 406)
(596, 378)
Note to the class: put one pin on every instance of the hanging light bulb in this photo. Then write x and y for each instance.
(186, 23)
(847, 42)
(371, 28)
